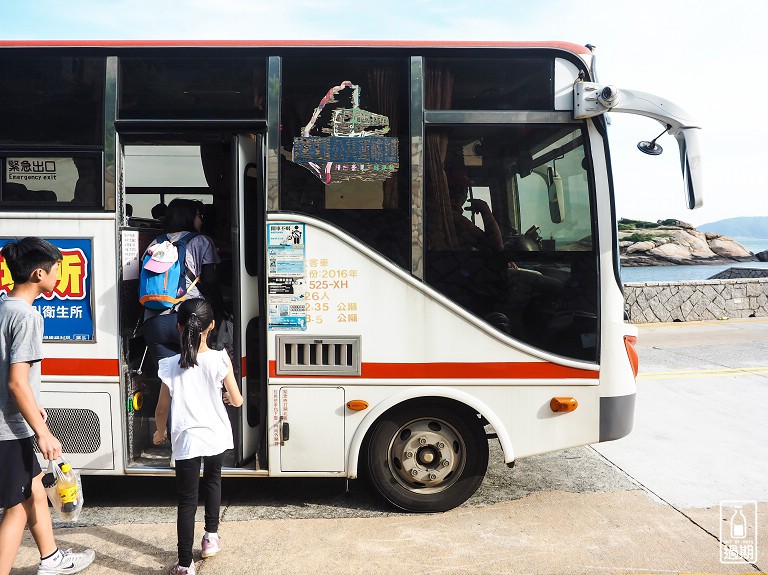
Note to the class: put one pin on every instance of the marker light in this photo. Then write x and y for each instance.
(357, 404)
(563, 404)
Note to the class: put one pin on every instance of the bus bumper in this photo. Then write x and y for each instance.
(617, 416)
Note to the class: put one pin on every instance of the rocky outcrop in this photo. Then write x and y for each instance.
(673, 242)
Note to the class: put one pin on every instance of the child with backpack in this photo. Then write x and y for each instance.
(178, 264)
(200, 429)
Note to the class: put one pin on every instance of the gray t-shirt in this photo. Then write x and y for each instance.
(21, 340)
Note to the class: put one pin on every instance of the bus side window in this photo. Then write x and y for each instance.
(50, 181)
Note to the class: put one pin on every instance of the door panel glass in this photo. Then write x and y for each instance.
(509, 231)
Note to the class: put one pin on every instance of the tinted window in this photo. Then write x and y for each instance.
(51, 100)
(489, 84)
(192, 88)
(345, 147)
(509, 231)
(51, 181)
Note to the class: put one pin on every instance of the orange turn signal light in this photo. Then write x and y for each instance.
(357, 404)
(563, 404)
(630, 342)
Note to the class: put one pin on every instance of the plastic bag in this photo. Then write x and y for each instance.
(64, 488)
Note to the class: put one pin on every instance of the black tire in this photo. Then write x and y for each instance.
(427, 458)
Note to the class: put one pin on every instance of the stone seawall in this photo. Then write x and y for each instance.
(702, 300)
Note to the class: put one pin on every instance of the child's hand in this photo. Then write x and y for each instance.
(225, 397)
(159, 437)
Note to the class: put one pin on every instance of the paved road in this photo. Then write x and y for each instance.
(648, 503)
(701, 421)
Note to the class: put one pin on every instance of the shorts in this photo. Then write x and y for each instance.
(20, 467)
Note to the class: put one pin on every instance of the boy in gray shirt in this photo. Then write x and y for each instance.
(34, 267)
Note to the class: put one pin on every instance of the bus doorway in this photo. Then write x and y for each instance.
(222, 174)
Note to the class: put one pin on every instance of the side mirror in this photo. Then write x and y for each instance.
(689, 141)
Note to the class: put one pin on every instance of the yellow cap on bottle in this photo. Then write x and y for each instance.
(66, 467)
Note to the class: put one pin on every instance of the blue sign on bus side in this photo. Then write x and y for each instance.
(67, 311)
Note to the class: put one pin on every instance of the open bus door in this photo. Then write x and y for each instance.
(225, 173)
(248, 217)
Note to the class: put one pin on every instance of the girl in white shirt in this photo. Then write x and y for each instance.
(200, 428)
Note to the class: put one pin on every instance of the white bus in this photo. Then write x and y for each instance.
(381, 326)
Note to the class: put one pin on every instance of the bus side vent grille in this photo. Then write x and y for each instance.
(297, 354)
(78, 429)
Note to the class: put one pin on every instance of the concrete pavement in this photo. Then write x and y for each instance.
(701, 429)
(544, 533)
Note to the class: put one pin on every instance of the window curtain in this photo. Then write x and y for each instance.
(441, 233)
(384, 91)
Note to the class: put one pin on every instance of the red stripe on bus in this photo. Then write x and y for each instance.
(90, 366)
(451, 370)
(243, 368)
(63, 366)
(575, 48)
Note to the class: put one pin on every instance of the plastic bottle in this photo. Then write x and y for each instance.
(68, 491)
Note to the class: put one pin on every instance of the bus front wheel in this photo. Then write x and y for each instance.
(427, 458)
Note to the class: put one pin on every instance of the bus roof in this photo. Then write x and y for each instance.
(570, 47)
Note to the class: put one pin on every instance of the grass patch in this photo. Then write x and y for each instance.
(626, 224)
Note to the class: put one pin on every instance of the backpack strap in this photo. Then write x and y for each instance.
(181, 246)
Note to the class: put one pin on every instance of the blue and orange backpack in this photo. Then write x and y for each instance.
(161, 291)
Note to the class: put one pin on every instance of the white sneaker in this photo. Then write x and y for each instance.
(211, 545)
(179, 570)
(69, 562)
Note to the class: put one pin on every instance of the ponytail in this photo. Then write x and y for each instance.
(194, 316)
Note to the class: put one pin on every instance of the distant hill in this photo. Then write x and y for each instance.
(743, 227)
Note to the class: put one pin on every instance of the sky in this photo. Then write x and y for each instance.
(700, 55)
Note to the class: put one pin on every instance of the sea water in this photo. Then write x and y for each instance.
(682, 272)
(677, 273)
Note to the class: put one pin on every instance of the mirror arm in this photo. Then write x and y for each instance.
(592, 99)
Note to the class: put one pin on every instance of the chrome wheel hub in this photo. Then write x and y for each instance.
(426, 455)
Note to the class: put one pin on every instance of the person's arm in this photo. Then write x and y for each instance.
(19, 388)
(161, 415)
(492, 235)
(232, 396)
